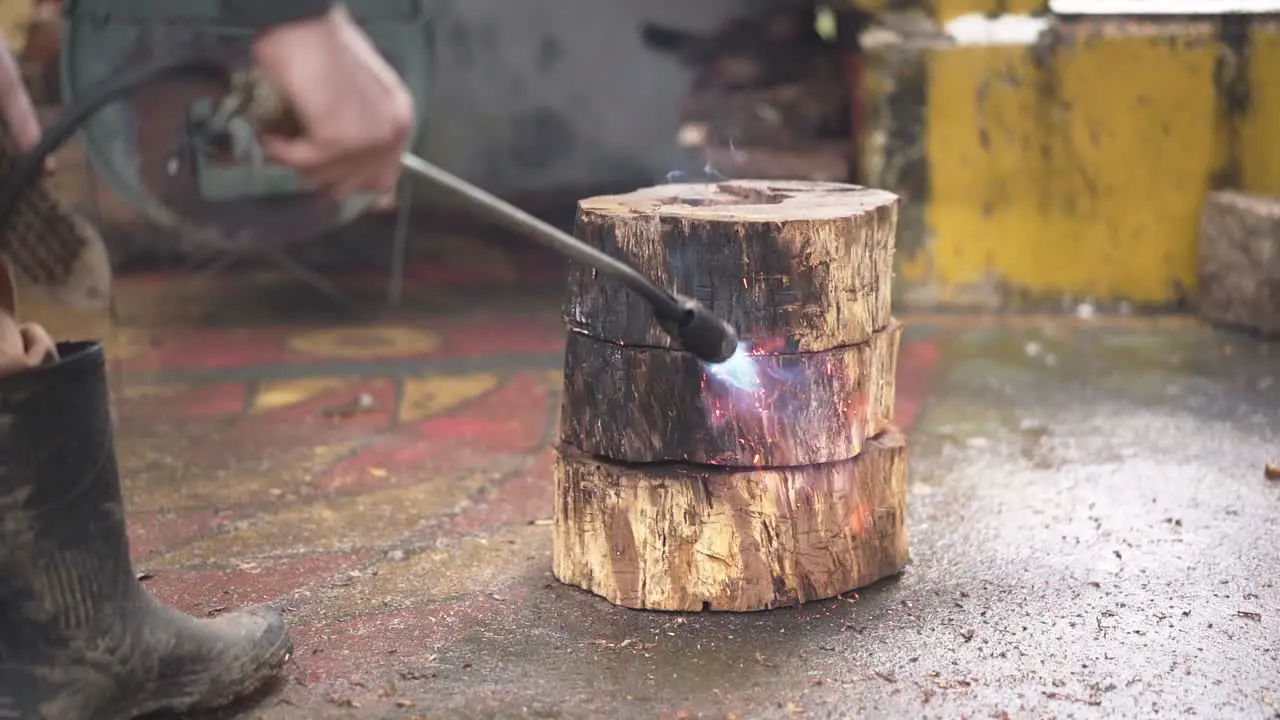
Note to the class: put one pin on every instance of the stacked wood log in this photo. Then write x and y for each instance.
(1239, 261)
(770, 97)
(773, 479)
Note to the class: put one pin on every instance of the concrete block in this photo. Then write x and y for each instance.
(1239, 261)
(1071, 168)
(1067, 169)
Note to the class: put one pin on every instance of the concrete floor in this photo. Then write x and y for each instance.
(1092, 533)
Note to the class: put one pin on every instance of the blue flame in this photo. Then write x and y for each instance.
(739, 371)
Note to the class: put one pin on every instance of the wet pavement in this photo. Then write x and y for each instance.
(1092, 534)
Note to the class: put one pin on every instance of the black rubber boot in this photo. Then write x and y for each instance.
(79, 636)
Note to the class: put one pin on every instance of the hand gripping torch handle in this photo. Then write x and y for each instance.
(686, 320)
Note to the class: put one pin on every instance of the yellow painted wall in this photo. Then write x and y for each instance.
(944, 10)
(1080, 171)
(14, 15)
(1084, 177)
(1260, 132)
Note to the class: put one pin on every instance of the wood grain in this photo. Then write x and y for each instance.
(806, 266)
(687, 539)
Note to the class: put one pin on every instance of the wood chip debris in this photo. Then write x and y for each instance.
(628, 643)
(339, 700)
(361, 404)
(1071, 698)
(1271, 471)
(1250, 615)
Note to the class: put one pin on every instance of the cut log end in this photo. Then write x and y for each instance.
(745, 201)
(804, 265)
(681, 538)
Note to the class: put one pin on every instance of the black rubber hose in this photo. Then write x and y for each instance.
(98, 96)
(686, 320)
(95, 97)
(562, 243)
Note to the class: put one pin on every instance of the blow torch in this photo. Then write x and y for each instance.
(687, 321)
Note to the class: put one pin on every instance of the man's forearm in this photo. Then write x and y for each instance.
(263, 14)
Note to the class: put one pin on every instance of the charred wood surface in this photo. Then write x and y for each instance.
(799, 266)
(686, 539)
(639, 404)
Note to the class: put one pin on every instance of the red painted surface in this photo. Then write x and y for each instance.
(917, 369)
(525, 497)
(205, 350)
(326, 417)
(510, 420)
(150, 532)
(381, 644)
(535, 267)
(503, 436)
(205, 401)
(212, 592)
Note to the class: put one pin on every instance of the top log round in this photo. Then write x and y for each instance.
(799, 266)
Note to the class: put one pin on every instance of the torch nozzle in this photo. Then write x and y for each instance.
(686, 320)
(698, 331)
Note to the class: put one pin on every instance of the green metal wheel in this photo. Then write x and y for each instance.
(135, 145)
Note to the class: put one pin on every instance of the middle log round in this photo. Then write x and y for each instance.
(640, 404)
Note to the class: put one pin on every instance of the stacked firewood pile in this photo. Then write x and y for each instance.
(770, 98)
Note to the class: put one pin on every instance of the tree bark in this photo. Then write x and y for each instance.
(1240, 261)
(751, 484)
(682, 538)
(800, 266)
(639, 404)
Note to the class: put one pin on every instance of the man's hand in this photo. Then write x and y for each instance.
(355, 111)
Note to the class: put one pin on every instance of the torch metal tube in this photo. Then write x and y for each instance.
(253, 95)
(543, 232)
(686, 320)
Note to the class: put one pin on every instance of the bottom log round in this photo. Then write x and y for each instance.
(681, 537)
